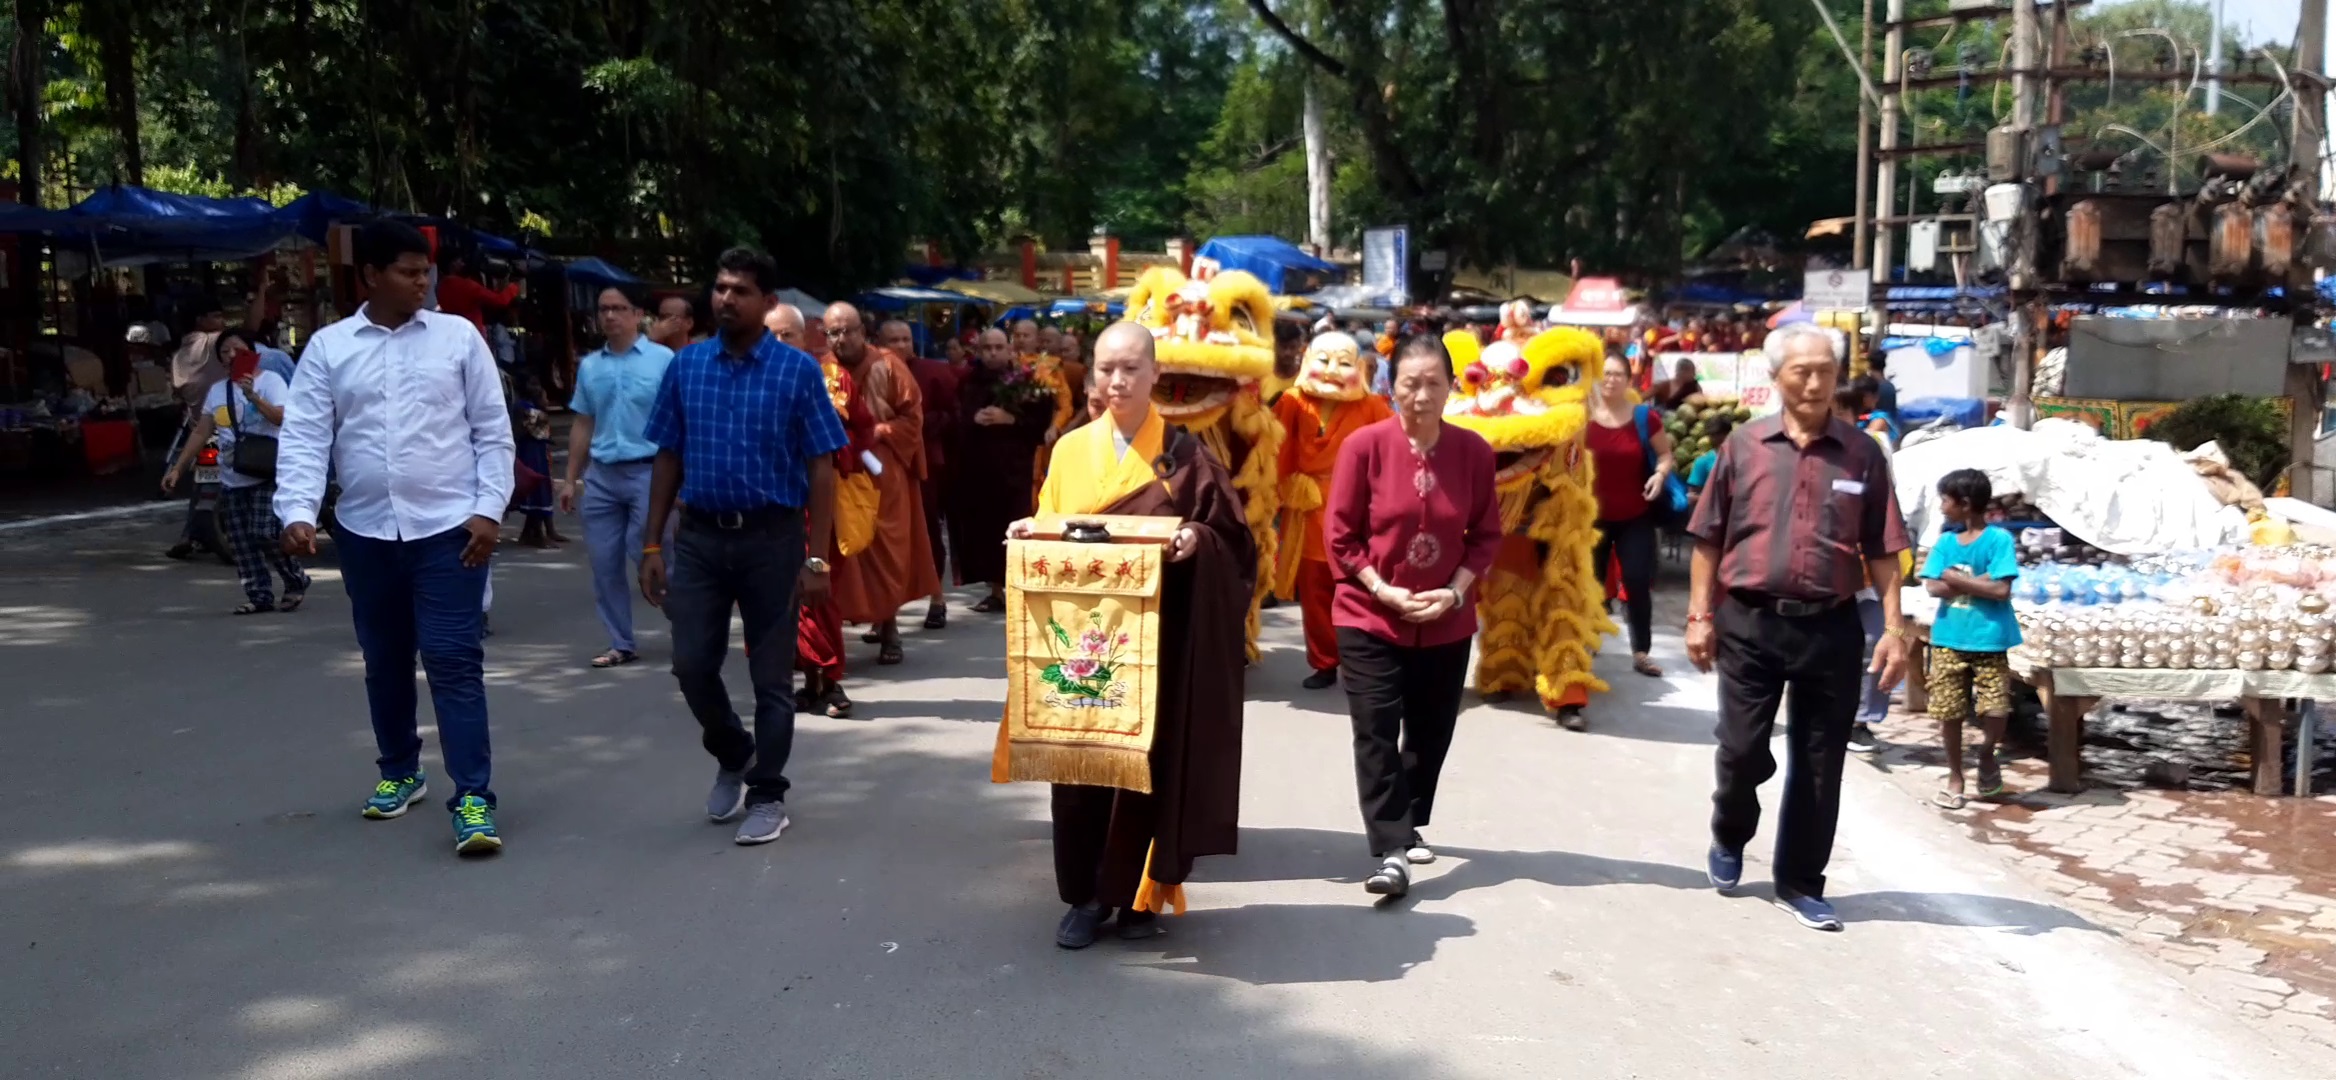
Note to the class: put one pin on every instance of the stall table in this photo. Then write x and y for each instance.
(2070, 693)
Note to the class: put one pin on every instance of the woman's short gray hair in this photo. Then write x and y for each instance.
(1780, 343)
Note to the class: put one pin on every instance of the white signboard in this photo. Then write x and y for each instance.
(1386, 262)
(1738, 375)
(1837, 290)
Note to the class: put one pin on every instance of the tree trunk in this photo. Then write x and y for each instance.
(1317, 172)
(117, 57)
(31, 49)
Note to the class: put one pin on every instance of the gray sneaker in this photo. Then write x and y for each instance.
(764, 822)
(728, 797)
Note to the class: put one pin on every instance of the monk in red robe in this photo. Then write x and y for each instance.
(897, 566)
(1330, 401)
(938, 382)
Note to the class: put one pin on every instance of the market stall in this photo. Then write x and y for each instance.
(2146, 573)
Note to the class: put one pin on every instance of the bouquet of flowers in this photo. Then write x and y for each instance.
(1024, 385)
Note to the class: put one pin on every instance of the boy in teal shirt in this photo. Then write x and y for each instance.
(1971, 570)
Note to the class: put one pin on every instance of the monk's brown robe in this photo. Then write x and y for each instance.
(1102, 836)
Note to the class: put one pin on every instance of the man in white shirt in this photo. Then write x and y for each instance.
(406, 407)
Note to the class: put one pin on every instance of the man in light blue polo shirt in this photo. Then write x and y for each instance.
(615, 386)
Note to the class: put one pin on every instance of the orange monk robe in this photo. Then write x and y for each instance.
(819, 633)
(1049, 370)
(898, 565)
(1314, 429)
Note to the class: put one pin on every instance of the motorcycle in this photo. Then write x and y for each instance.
(208, 531)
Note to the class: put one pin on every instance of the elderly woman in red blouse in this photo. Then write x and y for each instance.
(1411, 524)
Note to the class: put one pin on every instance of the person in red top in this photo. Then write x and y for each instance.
(460, 293)
(1799, 514)
(1411, 523)
(1619, 437)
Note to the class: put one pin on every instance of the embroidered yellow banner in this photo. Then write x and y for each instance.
(1082, 662)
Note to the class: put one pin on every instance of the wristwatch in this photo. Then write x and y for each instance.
(815, 564)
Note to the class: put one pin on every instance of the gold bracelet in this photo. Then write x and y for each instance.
(652, 549)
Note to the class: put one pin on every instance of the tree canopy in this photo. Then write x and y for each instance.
(837, 132)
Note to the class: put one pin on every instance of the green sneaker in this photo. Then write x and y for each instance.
(391, 797)
(474, 827)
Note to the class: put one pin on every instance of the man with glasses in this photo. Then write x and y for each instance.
(609, 447)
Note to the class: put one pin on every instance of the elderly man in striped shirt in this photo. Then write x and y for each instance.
(1798, 515)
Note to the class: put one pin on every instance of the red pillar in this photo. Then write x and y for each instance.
(1029, 265)
(1110, 262)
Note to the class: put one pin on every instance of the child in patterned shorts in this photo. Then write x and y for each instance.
(1970, 570)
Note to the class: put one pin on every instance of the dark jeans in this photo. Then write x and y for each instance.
(1396, 692)
(1760, 656)
(1633, 543)
(415, 596)
(710, 571)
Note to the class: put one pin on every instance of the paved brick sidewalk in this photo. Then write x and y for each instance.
(2237, 890)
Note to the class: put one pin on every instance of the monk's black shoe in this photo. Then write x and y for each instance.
(1077, 930)
(1137, 925)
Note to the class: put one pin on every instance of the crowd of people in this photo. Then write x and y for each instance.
(810, 474)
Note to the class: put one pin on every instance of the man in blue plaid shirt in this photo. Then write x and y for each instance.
(745, 437)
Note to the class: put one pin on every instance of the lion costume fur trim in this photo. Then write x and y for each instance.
(1544, 633)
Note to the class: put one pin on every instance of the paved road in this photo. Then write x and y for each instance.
(186, 890)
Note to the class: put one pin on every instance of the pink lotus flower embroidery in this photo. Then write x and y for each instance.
(1081, 668)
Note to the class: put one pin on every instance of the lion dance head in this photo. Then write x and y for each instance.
(1213, 340)
(1528, 400)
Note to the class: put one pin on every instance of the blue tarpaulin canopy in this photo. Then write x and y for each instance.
(1267, 257)
(599, 272)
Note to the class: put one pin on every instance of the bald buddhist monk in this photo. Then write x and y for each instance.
(819, 631)
(1117, 850)
(938, 382)
(897, 567)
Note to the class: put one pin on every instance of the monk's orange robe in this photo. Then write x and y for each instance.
(897, 567)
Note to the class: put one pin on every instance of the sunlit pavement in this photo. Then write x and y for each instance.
(187, 891)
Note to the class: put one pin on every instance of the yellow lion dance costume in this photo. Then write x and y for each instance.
(1542, 605)
(1214, 340)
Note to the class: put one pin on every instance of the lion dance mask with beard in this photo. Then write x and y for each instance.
(1214, 342)
(1542, 605)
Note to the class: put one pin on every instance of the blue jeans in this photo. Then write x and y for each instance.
(711, 571)
(415, 596)
(615, 506)
(1874, 704)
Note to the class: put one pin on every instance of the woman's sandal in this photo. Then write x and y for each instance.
(936, 618)
(1646, 667)
(614, 658)
(248, 608)
(989, 605)
(1947, 800)
(291, 601)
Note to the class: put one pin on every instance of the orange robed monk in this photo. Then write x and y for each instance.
(897, 567)
(1331, 400)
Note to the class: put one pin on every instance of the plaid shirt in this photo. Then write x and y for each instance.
(747, 428)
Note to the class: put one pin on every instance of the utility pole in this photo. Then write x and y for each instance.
(1859, 253)
(2310, 140)
(1886, 170)
(2214, 61)
(2021, 264)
